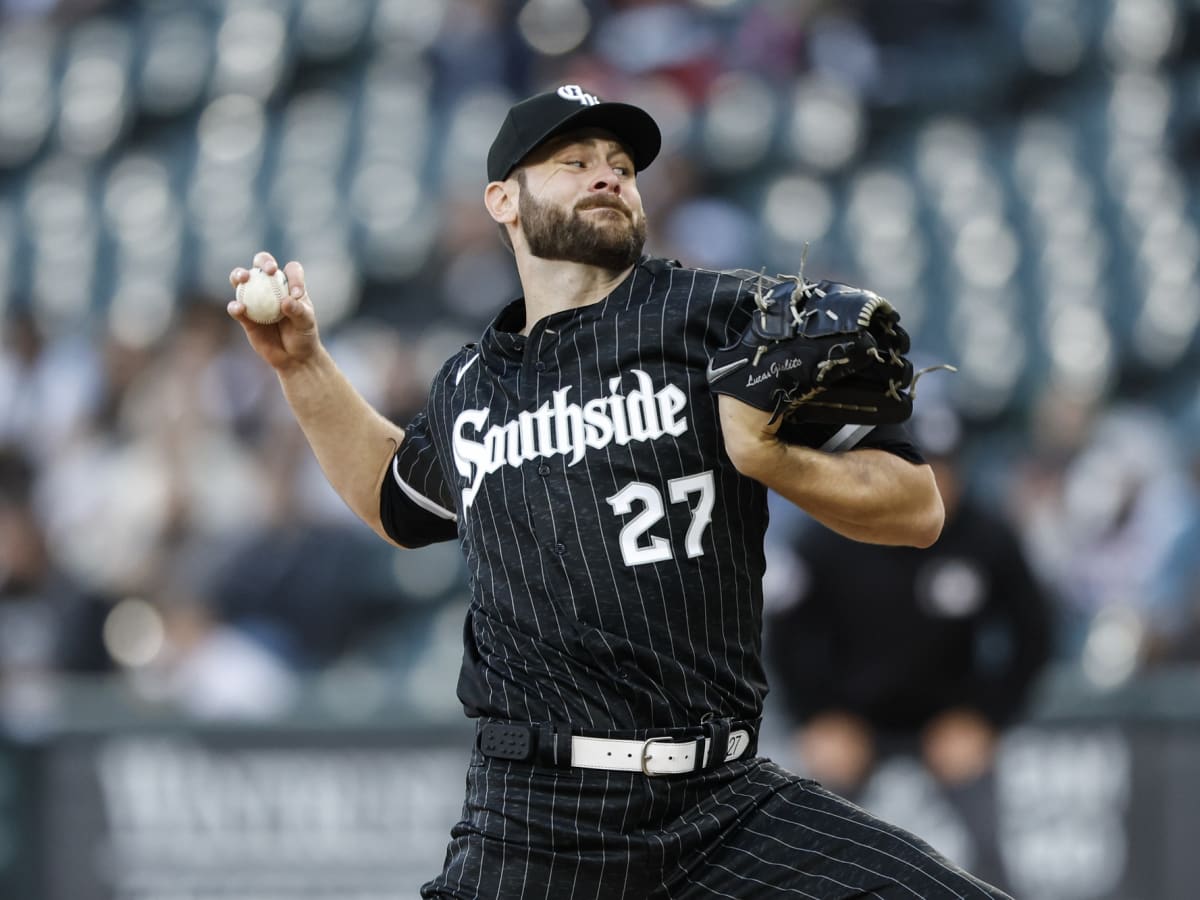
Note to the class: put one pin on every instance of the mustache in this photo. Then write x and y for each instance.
(603, 201)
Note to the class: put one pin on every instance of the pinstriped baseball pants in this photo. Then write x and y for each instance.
(746, 830)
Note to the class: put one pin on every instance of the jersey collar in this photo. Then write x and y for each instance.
(503, 336)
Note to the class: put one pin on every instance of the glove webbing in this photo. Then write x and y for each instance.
(804, 290)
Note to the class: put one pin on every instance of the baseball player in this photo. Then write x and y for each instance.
(594, 457)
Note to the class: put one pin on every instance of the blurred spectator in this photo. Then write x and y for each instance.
(769, 39)
(64, 9)
(284, 580)
(1116, 535)
(161, 458)
(475, 46)
(48, 387)
(286, 587)
(898, 23)
(672, 39)
(183, 652)
(1184, 560)
(49, 623)
(882, 652)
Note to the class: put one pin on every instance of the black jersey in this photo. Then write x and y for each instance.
(614, 553)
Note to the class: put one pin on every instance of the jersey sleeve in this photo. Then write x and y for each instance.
(416, 506)
(895, 439)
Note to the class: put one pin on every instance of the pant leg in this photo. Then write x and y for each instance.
(534, 833)
(772, 834)
(747, 830)
(975, 802)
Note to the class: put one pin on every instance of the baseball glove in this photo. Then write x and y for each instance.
(819, 352)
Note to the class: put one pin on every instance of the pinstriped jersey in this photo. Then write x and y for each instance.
(614, 554)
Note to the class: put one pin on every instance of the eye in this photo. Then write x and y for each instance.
(623, 171)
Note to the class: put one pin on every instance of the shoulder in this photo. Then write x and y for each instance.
(450, 372)
(728, 281)
(462, 355)
(723, 298)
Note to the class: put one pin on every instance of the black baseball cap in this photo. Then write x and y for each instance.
(532, 122)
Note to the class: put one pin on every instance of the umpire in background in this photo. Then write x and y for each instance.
(885, 652)
(611, 512)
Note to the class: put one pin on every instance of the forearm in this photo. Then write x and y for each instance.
(867, 495)
(353, 443)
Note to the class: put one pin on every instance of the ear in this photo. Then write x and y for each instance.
(500, 198)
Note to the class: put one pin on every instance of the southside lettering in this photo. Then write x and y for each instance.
(567, 429)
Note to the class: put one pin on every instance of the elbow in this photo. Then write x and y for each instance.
(927, 529)
(928, 520)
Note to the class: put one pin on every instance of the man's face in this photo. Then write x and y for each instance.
(579, 203)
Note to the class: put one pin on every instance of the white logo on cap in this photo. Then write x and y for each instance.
(578, 94)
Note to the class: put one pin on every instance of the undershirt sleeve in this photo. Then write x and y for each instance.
(416, 506)
(894, 439)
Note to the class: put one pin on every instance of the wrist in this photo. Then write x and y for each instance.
(755, 453)
(750, 438)
(308, 381)
(308, 365)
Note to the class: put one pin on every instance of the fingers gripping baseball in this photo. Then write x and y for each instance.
(273, 306)
(297, 306)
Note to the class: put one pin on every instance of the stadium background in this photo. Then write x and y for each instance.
(219, 686)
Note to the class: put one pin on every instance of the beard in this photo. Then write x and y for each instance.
(611, 242)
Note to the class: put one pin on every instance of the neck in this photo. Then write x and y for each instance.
(551, 286)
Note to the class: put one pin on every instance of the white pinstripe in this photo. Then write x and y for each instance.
(420, 499)
(727, 634)
(553, 627)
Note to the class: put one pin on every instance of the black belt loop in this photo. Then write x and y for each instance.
(554, 745)
(753, 728)
(717, 732)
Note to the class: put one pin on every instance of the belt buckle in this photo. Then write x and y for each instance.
(645, 750)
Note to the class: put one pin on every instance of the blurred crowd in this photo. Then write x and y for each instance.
(162, 519)
(162, 523)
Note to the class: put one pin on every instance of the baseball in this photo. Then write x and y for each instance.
(262, 295)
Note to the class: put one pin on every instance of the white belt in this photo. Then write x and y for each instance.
(656, 756)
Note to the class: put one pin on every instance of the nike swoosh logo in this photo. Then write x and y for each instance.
(717, 372)
(463, 369)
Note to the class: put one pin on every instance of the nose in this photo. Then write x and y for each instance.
(607, 180)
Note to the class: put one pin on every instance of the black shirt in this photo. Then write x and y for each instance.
(898, 635)
(615, 555)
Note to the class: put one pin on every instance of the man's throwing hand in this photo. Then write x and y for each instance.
(291, 339)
